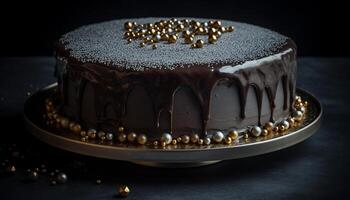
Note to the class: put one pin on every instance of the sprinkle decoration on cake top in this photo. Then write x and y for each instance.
(168, 31)
(107, 43)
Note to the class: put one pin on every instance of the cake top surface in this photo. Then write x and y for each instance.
(104, 43)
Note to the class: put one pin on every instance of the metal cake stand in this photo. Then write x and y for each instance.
(170, 156)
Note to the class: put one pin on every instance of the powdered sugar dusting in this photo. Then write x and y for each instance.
(104, 43)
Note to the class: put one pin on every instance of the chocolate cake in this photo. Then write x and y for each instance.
(109, 81)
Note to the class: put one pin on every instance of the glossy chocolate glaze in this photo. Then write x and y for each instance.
(112, 88)
(106, 96)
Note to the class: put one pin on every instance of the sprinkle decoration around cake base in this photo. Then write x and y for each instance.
(56, 120)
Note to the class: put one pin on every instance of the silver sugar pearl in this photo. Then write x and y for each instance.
(33, 175)
(62, 178)
(109, 136)
(166, 137)
(298, 115)
(206, 141)
(91, 131)
(256, 131)
(158, 37)
(285, 123)
(218, 136)
(101, 134)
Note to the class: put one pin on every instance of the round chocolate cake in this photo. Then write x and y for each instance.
(149, 76)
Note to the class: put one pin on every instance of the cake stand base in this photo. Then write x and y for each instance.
(178, 156)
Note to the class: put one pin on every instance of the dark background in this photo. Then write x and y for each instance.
(30, 28)
(317, 168)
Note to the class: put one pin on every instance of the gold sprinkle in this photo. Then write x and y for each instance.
(128, 25)
(155, 143)
(169, 30)
(230, 29)
(188, 40)
(172, 39)
(199, 43)
(212, 39)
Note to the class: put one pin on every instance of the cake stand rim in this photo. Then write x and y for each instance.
(160, 157)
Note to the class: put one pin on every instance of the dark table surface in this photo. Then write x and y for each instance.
(317, 168)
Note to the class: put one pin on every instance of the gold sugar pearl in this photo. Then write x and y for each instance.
(82, 133)
(165, 37)
(222, 29)
(154, 46)
(188, 40)
(142, 44)
(153, 31)
(128, 25)
(180, 27)
(194, 138)
(233, 134)
(127, 34)
(199, 43)
(212, 39)
(123, 191)
(212, 31)
(142, 139)
(246, 136)
(132, 136)
(185, 139)
(64, 123)
(172, 38)
(178, 139)
(155, 143)
(163, 143)
(121, 137)
(230, 29)
(200, 31)
(174, 142)
(269, 126)
(291, 121)
(282, 128)
(76, 128)
(265, 132)
(120, 129)
(200, 141)
(129, 40)
(216, 24)
(186, 33)
(228, 140)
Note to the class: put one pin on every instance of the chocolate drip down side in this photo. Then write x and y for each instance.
(112, 87)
